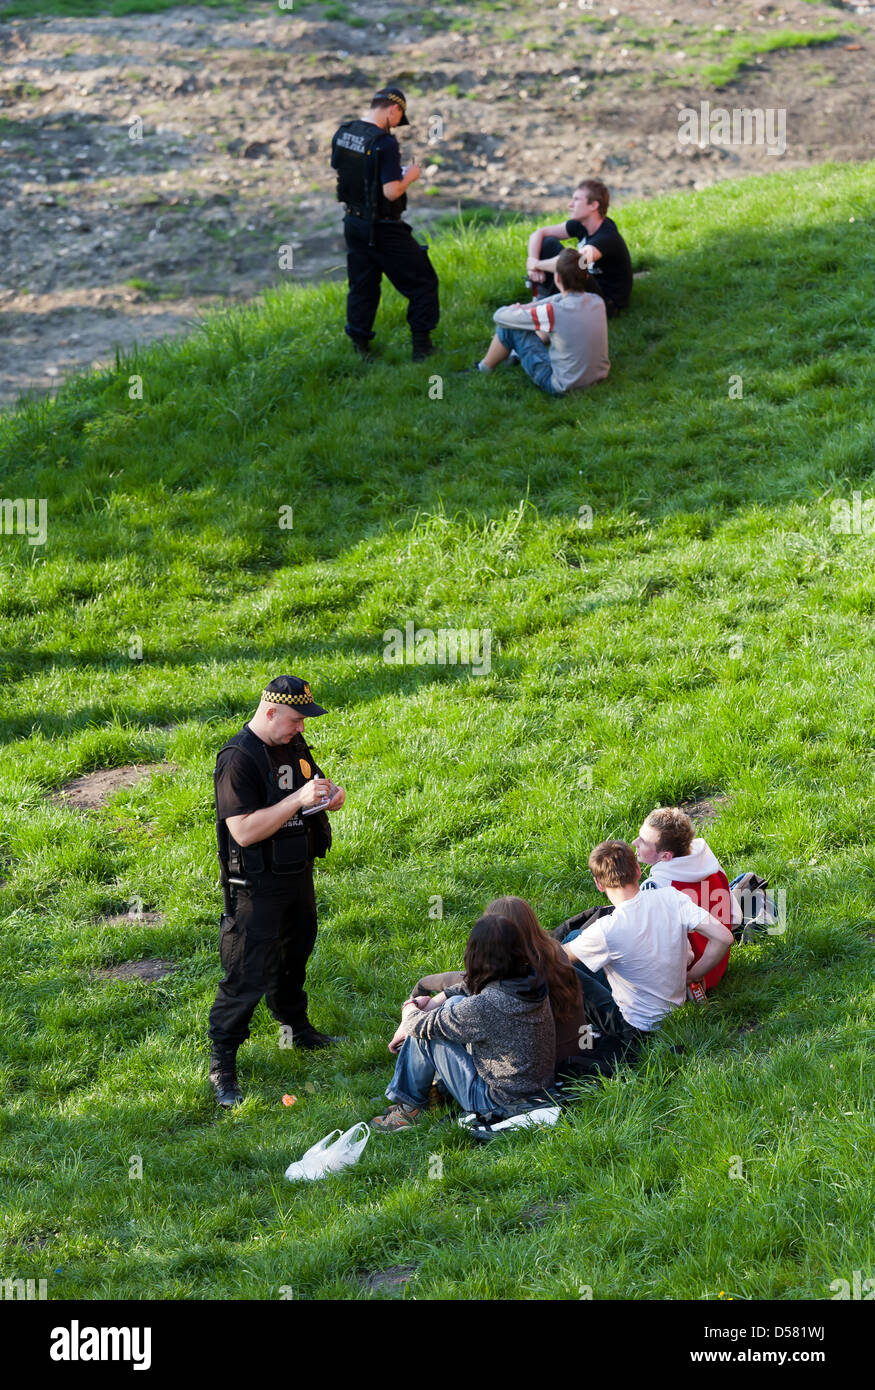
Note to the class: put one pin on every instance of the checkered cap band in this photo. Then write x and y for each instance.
(276, 697)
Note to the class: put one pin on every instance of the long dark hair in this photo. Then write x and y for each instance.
(496, 950)
(546, 957)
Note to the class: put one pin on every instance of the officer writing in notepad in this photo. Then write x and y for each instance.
(373, 186)
(271, 822)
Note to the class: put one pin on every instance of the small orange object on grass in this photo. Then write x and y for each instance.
(289, 1100)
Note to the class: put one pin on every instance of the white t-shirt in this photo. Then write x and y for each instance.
(642, 948)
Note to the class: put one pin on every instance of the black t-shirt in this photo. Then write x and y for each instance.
(612, 274)
(390, 158)
(239, 789)
(389, 154)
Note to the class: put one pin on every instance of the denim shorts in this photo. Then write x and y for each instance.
(533, 354)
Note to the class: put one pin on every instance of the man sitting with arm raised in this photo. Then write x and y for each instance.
(601, 248)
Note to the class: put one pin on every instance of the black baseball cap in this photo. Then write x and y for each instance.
(396, 95)
(292, 691)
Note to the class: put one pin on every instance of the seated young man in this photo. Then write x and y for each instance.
(667, 842)
(679, 859)
(599, 243)
(561, 342)
(642, 945)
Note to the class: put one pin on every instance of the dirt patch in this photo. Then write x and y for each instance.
(137, 970)
(133, 919)
(395, 1277)
(37, 1240)
(93, 789)
(750, 1027)
(530, 1218)
(707, 809)
(116, 234)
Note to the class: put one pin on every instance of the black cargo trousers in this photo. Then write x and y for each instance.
(264, 947)
(399, 256)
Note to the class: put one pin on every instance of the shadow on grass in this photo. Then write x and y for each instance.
(235, 425)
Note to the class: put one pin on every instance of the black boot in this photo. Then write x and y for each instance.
(311, 1039)
(362, 347)
(422, 347)
(223, 1076)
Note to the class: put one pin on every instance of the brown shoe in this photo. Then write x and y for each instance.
(399, 1117)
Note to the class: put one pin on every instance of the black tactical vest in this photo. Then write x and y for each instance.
(289, 849)
(357, 161)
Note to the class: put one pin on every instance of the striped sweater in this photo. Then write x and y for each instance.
(578, 328)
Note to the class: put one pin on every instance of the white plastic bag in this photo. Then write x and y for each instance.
(331, 1154)
(311, 1164)
(349, 1148)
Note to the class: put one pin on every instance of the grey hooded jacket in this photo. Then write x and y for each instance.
(508, 1029)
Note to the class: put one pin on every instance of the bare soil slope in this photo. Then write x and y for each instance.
(107, 240)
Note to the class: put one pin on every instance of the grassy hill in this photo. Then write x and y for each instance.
(707, 636)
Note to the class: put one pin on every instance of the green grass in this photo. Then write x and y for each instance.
(708, 634)
(742, 50)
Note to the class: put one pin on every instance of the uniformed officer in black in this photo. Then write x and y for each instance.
(265, 777)
(373, 185)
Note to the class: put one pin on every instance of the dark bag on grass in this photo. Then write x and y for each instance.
(757, 909)
(583, 919)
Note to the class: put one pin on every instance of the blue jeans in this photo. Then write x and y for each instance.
(533, 354)
(420, 1061)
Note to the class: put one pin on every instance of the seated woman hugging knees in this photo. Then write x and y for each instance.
(489, 1048)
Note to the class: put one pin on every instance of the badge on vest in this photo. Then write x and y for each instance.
(306, 769)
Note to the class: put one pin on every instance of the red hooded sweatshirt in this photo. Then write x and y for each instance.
(699, 875)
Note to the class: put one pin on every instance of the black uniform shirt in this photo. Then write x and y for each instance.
(390, 158)
(239, 789)
(612, 274)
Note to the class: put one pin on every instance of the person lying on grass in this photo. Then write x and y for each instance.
(490, 1048)
(590, 1041)
(562, 341)
(667, 842)
(642, 946)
